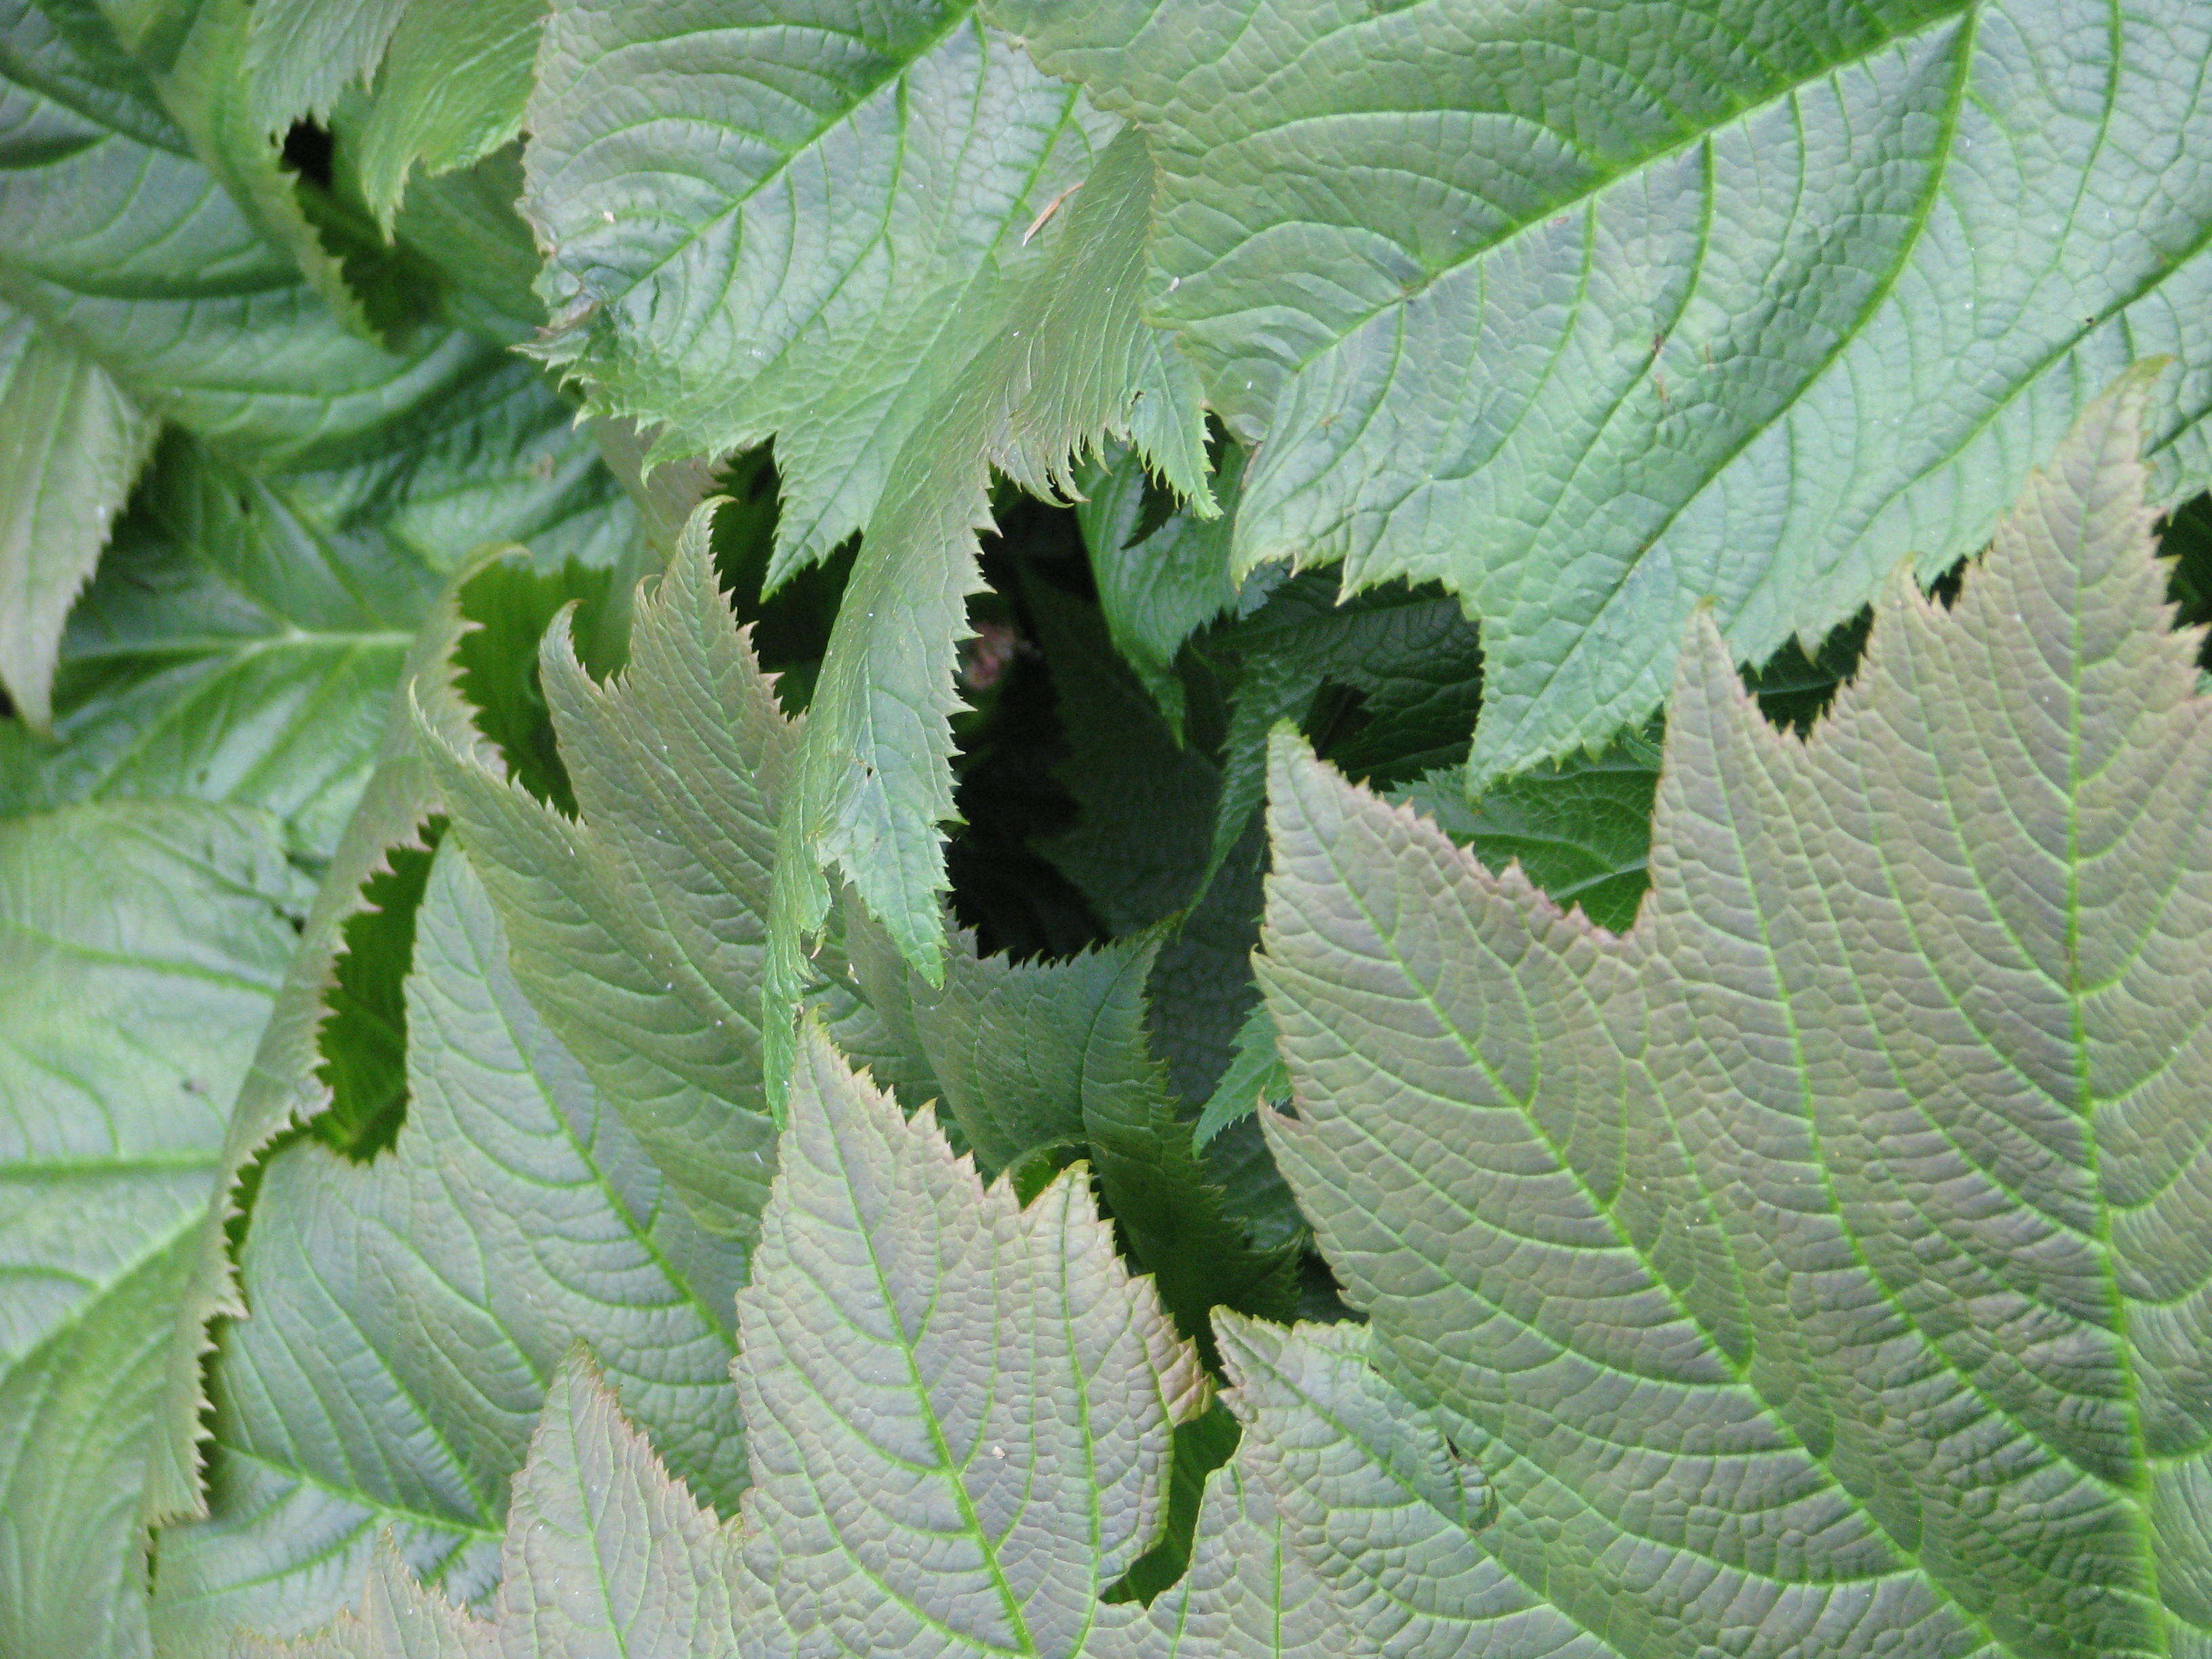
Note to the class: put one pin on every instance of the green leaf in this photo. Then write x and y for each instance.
(245, 633)
(141, 945)
(118, 241)
(959, 1414)
(1255, 1074)
(465, 224)
(451, 90)
(1160, 583)
(1138, 852)
(408, 1314)
(70, 443)
(286, 1088)
(1826, 1259)
(302, 54)
(1346, 1524)
(450, 79)
(874, 778)
(1595, 315)
(827, 281)
(603, 1553)
(640, 926)
(364, 1040)
(1580, 828)
(1387, 682)
(1033, 1055)
(959, 1409)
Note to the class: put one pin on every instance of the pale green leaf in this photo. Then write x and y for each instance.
(1822, 1266)
(640, 926)
(302, 54)
(451, 90)
(407, 1316)
(1595, 313)
(70, 443)
(243, 639)
(141, 945)
(1580, 828)
(959, 1418)
(604, 1554)
(604, 1551)
(959, 1410)
(875, 778)
(803, 242)
(118, 240)
(285, 1088)
(1345, 1525)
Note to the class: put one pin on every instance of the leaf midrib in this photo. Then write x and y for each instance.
(948, 1465)
(894, 70)
(1738, 1370)
(1599, 182)
(2143, 1528)
(1938, 179)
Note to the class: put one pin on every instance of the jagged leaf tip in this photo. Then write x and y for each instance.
(1825, 1265)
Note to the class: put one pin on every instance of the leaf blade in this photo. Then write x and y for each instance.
(1586, 354)
(1881, 969)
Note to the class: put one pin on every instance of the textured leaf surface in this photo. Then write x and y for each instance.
(1346, 1524)
(451, 90)
(640, 926)
(803, 240)
(1071, 368)
(408, 1314)
(70, 443)
(289, 1085)
(1594, 314)
(1031, 1057)
(959, 1409)
(1580, 828)
(244, 639)
(302, 54)
(118, 239)
(141, 945)
(959, 1416)
(1855, 1195)
(603, 1553)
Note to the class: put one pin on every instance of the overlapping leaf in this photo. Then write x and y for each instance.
(449, 80)
(959, 1414)
(408, 1314)
(919, 342)
(70, 443)
(604, 1553)
(1822, 1266)
(1073, 367)
(118, 239)
(291, 1081)
(640, 927)
(1595, 313)
(245, 639)
(1160, 583)
(141, 945)
(1051, 1060)
(803, 242)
